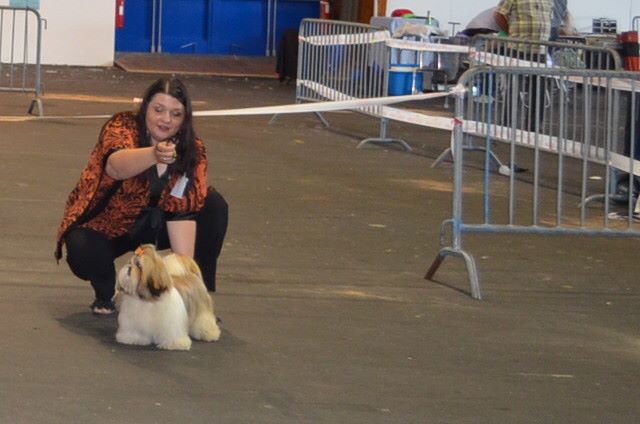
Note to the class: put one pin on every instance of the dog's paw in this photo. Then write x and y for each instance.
(205, 328)
(181, 343)
(209, 334)
(132, 338)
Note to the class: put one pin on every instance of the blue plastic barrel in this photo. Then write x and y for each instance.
(403, 79)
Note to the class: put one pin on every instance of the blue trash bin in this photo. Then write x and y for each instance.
(403, 79)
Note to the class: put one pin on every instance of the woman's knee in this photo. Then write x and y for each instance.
(212, 224)
(215, 202)
(88, 252)
(214, 216)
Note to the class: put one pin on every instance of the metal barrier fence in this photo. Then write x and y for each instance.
(347, 61)
(20, 49)
(340, 61)
(585, 138)
(350, 61)
(513, 52)
(343, 61)
(570, 123)
(506, 51)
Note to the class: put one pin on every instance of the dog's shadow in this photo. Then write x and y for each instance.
(101, 328)
(104, 328)
(203, 357)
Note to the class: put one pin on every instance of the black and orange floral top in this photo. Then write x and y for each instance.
(111, 207)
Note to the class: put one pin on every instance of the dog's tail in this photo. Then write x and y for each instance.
(181, 265)
(187, 278)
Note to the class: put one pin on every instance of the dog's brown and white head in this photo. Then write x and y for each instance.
(145, 276)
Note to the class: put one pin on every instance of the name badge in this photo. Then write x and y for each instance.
(180, 187)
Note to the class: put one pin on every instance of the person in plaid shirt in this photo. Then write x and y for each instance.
(527, 19)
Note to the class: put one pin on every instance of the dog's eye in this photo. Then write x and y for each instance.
(129, 271)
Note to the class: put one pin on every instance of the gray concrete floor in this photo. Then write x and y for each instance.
(327, 317)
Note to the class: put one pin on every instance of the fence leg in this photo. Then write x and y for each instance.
(383, 139)
(446, 154)
(322, 119)
(36, 103)
(472, 271)
(501, 168)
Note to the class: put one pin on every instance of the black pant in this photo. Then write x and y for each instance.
(624, 182)
(91, 255)
(532, 101)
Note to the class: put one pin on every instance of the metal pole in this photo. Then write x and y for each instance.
(273, 27)
(268, 38)
(160, 27)
(1, 32)
(153, 26)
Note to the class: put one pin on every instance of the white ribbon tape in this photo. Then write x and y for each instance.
(345, 39)
(50, 118)
(494, 59)
(427, 47)
(328, 106)
(378, 106)
(497, 60)
(347, 103)
(552, 144)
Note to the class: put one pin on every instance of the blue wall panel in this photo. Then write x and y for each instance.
(291, 12)
(136, 34)
(238, 27)
(185, 26)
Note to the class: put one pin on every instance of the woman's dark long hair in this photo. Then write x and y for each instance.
(186, 136)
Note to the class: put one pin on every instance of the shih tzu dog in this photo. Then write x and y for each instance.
(163, 300)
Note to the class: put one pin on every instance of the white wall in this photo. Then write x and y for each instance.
(82, 32)
(462, 11)
(78, 32)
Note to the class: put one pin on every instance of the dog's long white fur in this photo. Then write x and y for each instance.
(163, 322)
(184, 309)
